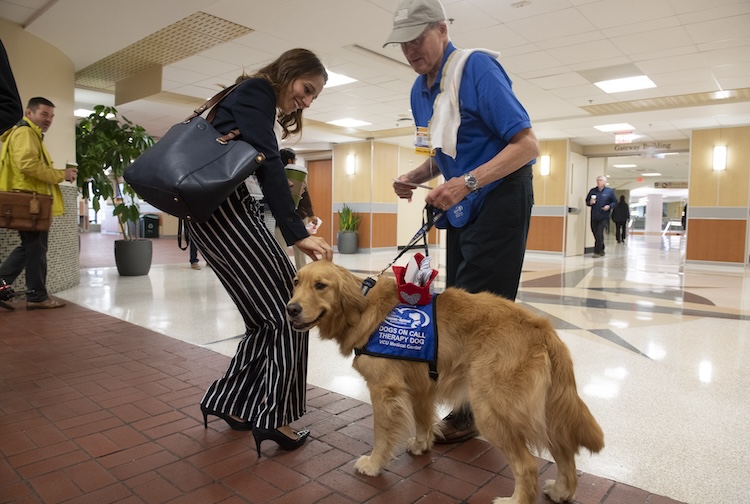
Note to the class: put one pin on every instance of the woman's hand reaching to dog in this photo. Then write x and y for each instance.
(316, 248)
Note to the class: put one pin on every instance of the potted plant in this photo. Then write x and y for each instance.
(347, 237)
(105, 145)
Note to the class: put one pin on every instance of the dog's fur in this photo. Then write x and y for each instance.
(509, 364)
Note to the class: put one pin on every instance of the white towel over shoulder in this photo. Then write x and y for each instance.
(446, 116)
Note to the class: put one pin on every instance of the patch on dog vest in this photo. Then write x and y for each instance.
(407, 333)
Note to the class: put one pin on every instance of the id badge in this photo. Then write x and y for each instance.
(422, 141)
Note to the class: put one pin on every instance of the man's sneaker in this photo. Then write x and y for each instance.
(195, 266)
(47, 304)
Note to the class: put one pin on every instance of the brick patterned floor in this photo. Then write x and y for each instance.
(97, 410)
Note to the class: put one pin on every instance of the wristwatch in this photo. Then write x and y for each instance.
(471, 182)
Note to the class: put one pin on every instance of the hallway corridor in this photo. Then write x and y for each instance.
(99, 400)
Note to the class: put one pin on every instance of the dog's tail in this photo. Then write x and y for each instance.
(589, 433)
(569, 420)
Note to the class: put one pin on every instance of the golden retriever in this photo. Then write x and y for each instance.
(508, 363)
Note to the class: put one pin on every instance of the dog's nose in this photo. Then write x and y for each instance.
(293, 309)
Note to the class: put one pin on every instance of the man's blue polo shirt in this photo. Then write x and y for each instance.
(490, 113)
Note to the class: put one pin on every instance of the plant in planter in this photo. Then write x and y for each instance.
(105, 145)
(347, 237)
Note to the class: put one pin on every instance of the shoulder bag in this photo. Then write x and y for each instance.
(193, 168)
(25, 211)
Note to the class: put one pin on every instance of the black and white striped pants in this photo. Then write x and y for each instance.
(266, 379)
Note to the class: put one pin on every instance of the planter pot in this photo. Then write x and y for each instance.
(347, 242)
(133, 257)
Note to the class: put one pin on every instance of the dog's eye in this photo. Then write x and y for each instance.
(320, 286)
(295, 281)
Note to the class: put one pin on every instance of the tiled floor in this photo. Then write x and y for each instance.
(98, 400)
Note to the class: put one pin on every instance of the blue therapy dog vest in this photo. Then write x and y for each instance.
(407, 333)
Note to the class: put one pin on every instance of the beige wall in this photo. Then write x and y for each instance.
(410, 212)
(550, 190)
(387, 221)
(356, 188)
(718, 201)
(547, 229)
(723, 188)
(42, 70)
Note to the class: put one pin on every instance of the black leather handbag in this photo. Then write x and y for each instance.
(193, 168)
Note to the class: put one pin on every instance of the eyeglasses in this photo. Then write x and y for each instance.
(417, 42)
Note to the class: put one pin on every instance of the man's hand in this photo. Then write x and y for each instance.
(403, 191)
(71, 174)
(447, 194)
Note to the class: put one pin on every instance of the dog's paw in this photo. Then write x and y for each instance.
(504, 500)
(554, 493)
(418, 446)
(366, 466)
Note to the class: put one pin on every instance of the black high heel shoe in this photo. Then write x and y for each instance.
(233, 424)
(281, 439)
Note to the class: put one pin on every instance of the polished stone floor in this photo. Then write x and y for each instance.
(661, 348)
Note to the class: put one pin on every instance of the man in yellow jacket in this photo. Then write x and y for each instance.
(26, 165)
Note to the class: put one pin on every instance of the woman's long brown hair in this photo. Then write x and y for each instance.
(290, 66)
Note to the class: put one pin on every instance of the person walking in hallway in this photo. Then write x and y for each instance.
(263, 390)
(484, 146)
(621, 216)
(26, 165)
(601, 199)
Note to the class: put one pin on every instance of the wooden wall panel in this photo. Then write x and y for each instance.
(384, 230)
(319, 183)
(546, 234)
(716, 240)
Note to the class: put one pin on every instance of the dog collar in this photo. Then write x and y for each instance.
(367, 284)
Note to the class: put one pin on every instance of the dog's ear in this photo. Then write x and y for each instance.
(352, 301)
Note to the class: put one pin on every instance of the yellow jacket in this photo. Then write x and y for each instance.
(26, 165)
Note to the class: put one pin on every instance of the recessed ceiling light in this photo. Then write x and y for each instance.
(625, 84)
(335, 79)
(348, 123)
(615, 127)
(624, 166)
(653, 174)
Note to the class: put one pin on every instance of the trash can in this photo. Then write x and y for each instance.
(149, 226)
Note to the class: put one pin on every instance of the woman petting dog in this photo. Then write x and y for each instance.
(263, 389)
(507, 362)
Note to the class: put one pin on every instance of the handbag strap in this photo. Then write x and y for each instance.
(211, 104)
(181, 225)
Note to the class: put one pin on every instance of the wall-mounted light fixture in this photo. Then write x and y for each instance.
(720, 158)
(351, 164)
(544, 166)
